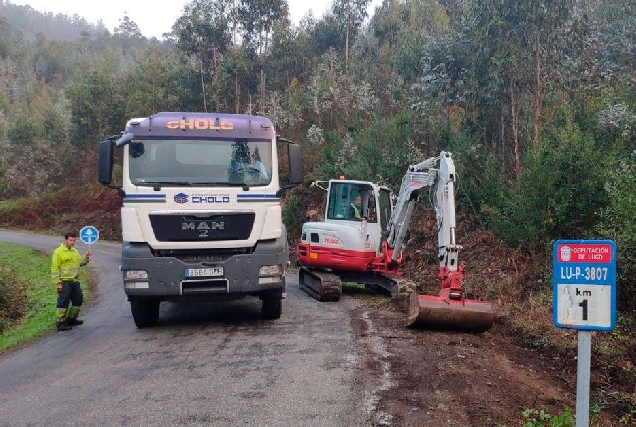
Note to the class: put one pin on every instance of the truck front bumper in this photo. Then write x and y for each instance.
(165, 276)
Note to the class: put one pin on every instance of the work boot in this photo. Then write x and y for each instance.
(63, 326)
(74, 321)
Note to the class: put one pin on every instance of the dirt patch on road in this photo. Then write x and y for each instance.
(433, 378)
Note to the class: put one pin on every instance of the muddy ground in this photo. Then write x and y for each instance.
(434, 378)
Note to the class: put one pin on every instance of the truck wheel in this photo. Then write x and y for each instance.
(272, 306)
(145, 311)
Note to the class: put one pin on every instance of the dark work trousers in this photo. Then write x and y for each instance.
(71, 292)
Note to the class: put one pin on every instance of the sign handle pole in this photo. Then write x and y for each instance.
(584, 362)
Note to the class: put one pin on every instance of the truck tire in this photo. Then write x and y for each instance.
(145, 311)
(272, 307)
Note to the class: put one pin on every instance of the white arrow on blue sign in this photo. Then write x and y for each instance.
(89, 234)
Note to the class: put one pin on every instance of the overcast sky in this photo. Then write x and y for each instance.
(157, 16)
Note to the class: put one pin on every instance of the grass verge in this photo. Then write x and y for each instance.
(27, 297)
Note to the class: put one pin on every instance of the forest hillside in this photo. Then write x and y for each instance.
(536, 101)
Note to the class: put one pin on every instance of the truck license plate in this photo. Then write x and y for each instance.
(204, 272)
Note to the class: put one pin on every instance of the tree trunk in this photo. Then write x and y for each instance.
(347, 38)
(262, 91)
(237, 94)
(515, 134)
(205, 105)
(503, 142)
(538, 98)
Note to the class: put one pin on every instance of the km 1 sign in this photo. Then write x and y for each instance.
(584, 284)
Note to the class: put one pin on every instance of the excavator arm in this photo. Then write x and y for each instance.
(441, 182)
(415, 179)
(449, 309)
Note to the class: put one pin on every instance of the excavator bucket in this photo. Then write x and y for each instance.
(436, 312)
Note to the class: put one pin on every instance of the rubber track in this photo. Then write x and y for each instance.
(403, 286)
(330, 285)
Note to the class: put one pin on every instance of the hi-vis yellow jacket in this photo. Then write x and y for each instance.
(65, 264)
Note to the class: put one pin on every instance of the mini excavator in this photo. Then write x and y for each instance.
(361, 238)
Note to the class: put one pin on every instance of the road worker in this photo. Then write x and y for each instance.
(65, 264)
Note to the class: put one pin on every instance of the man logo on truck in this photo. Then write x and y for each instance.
(203, 227)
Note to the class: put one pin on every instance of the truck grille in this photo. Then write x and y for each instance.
(186, 228)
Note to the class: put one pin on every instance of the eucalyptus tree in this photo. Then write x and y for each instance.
(150, 84)
(257, 19)
(96, 103)
(203, 33)
(325, 34)
(239, 76)
(289, 56)
(128, 28)
(601, 60)
(403, 30)
(497, 65)
(50, 60)
(351, 15)
(516, 47)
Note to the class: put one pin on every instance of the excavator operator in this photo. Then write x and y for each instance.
(356, 206)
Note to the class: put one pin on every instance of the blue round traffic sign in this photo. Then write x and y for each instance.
(89, 234)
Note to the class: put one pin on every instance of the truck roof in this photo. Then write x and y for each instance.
(172, 125)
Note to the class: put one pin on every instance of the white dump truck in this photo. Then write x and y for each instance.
(201, 216)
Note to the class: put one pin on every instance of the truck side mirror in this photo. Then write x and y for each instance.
(296, 170)
(106, 159)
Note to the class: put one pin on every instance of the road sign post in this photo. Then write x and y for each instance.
(584, 288)
(89, 235)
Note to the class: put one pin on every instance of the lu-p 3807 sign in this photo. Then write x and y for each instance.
(584, 284)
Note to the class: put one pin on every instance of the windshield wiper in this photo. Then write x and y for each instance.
(158, 185)
(183, 183)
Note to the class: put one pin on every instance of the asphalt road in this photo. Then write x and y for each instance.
(204, 364)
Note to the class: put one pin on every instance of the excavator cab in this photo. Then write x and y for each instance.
(358, 200)
(349, 200)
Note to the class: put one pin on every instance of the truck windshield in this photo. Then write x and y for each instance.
(200, 162)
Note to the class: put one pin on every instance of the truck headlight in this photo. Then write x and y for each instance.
(137, 285)
(270, 270)
(136, 274)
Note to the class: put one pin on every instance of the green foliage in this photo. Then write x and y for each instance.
(618, 223)
(481, 188)
(12, 298)
(27, 305)
(538, 418)
(203, 32)
(293, 216)
(24, 129)
(96, 106)
(381, 152)
(558, 194)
